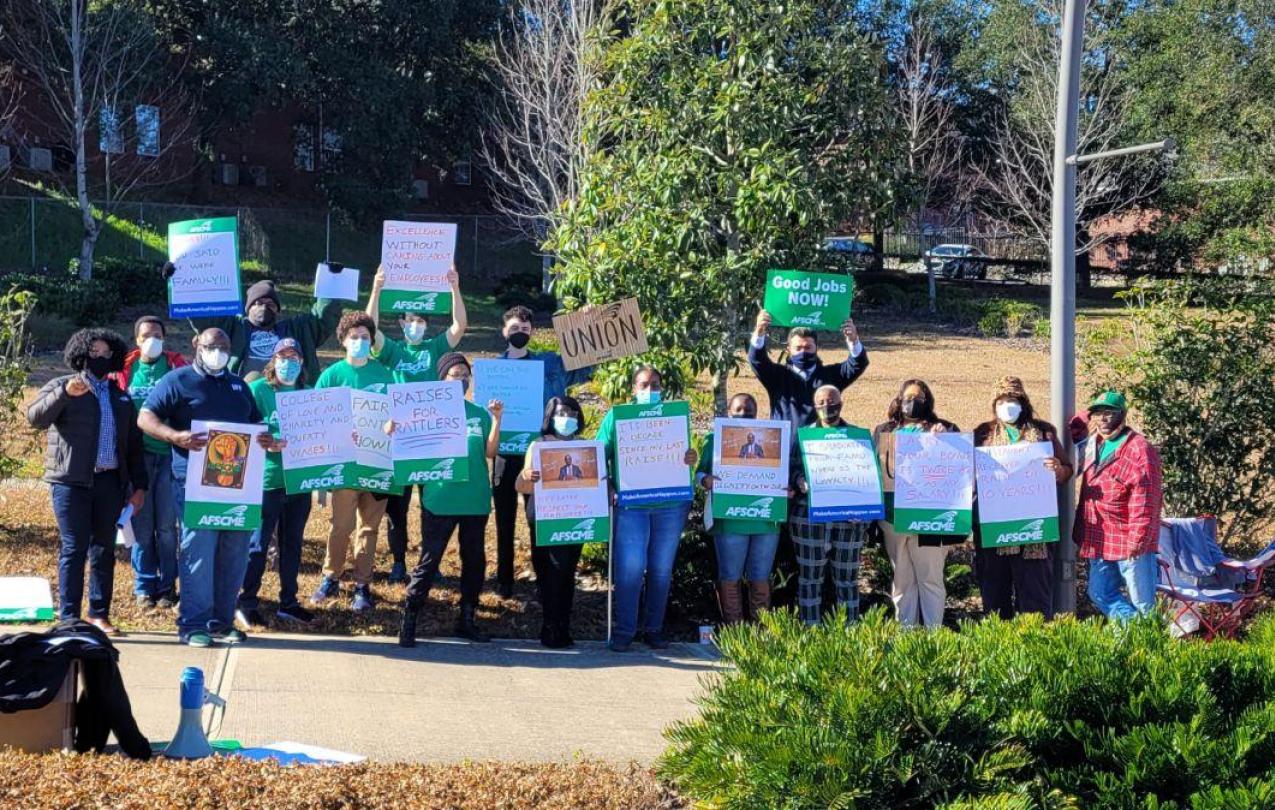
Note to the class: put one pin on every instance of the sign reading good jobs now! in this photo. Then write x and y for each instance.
(814, 300)
(416, 258)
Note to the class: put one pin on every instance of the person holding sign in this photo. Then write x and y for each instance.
(646, 534)
(279, 510)
(354, 511)
(1118, 517)
(94, 458)
(459, 507)
(1017, 578)
(791, 387)
(745, 547)
(555, 565)
(415, 359)
(212, 562)
(918, 589)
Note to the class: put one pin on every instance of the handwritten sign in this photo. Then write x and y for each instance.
(416, 258)
(373, 467)
(814, 300)
(226, 478)
(520, 385)
(842, 475)
(1017, 495)
(591, 336)
(342, 285)
(206, 254)
(933, 483)
(651, 443)
(316, 423)
(572, 505)
(430, 440)
(750, 463)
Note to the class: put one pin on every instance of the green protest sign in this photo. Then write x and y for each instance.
(814, 300)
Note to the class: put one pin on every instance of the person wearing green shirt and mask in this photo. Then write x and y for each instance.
(354, 512)
(460, 507)
(415, 359)
(279, 510)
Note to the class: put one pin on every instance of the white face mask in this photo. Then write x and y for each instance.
(214, 359)
(1008, 411)
(151, 347)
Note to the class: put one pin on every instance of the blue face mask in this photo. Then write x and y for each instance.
(805, 360)
(288, 370)
(358, 348)
(565, 425)
(414, 331)
(648, 397)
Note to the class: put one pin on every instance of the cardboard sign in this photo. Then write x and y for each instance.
(650, 452)
(597, 334)
(1017, 495)
(373, 467)
(206, 253)
(226, 478)
(750, 463)
(317, 426)
(430, 441)
(572, 504)
(416, 258)
(842, 475)
(343, 285)
(520, 385)
(933, 483)
(814, 300)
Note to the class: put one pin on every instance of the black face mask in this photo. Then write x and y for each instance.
(99, 367)
(264, 319)
(830, 413)
(519, 339)
(805, 360)
(913, 408)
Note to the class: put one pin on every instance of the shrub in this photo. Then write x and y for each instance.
(524, 289)
(98, 301)
(15, 363)
(1001, 714)
(614, 380)
(1005, 317)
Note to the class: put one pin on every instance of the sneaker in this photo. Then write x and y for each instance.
(295, 613)
(249, 618)
(145, 602)
(655, 641)
(619, 645)
(167, 601)
(327, 589)
(362, 601)
(233, 636)
(398, 574)
(198, 639)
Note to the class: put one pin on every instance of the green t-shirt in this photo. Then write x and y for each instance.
(264, 395)
(472, 497)
(734, 525)
(417, 363)
(1108, 448)
(142, 377)
(1013, 433)
(371, 376)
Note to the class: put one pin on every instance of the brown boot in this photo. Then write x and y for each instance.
(730, 599)
(758, 598)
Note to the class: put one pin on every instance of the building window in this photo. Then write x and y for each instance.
(303, 147)
(461, 173)
(110, 134)
(40, 159)
(147, 118)
(331, 146)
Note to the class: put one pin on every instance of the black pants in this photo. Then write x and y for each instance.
(505, 498)
(396, 511)
(436, 532)
(86, 527)
(555, 568)
(1011, 584)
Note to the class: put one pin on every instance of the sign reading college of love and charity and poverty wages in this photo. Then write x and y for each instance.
(814, 300)
(933, 483)
(520, 385)
(430, 440)
(594, 335)
(650, 453)
(318, 428)
(572, 504)
(750, 463)
(842, 474)
(416, 258)
(206, 255)
(225, 479)
(1017, 494)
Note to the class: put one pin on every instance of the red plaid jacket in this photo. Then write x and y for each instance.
(1118, 517)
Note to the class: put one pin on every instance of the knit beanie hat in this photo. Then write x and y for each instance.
(448, 360)
(262, 289)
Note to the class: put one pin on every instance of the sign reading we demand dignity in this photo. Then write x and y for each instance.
(416, 258)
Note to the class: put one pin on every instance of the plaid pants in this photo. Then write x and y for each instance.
(817, 544)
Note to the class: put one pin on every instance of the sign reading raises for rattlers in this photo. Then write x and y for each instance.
(597, 334)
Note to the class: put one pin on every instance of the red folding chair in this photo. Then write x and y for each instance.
(1206, 587)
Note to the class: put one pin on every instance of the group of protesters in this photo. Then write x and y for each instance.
(120, 432)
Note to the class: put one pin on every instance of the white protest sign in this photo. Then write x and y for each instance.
(373, 462)
(430, 439)
(520, 385)
(225, 479)
(343, 285)
(317, 426)
(651, 443)
(842, 475)
(205, 253)
(416, 258)
(1017, 494)
(933, 483)
(572, 505)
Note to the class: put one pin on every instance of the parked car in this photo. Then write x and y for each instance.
(847, 244)
(950, 261)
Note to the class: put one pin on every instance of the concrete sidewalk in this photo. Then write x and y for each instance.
(443, 701)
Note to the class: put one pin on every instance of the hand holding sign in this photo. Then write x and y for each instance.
(814, 300)
(595, 334)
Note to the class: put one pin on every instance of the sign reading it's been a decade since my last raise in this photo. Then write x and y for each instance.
(596, 334)
(813, 300)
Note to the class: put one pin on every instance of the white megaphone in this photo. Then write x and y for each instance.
(190, 742)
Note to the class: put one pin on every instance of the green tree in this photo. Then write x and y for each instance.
(733, 136)
(15, 364)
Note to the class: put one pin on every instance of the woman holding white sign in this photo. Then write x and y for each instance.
(1017, 578)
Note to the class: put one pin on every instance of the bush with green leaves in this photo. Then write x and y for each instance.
(1005, 317)
(15, 364)
(614, 380)
(1022, 714)
(96, 301)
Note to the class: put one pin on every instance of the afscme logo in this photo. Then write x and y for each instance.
(422, 301)
(945, 522)
(1033, 532)
(516, 441)
(333, 476)
(442, 471)
(235, 516)
(812, 318)
(379, 481)
(759, 508)
(582, 532)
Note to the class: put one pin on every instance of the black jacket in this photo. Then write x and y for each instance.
(73, 424)
(32, 669)
(792, 396)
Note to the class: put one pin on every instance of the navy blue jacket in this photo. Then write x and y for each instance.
(791, 395)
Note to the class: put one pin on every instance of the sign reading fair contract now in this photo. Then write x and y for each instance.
(206, 255)
(416, 258)
(933, 483)
(225, 479)
(1017, 495)
(814, 300)
(430, 440)
(650, 453)
(572, 505)
(750, 463)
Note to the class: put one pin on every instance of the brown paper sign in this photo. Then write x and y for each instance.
(597, 334)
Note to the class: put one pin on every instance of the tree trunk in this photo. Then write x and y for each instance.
(88, 242)
(930, 277)
(1084, 274)
(546, 273)
(878, 248)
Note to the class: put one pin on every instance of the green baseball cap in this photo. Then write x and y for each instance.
(1113, 400)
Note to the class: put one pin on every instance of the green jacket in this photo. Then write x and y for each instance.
(310, 330)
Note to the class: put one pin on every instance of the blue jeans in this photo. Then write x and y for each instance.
(747, 556)
(645, 546)
(289, 513)
(211, 565)
(155, 527)
(1138, 575)
(86, 528)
